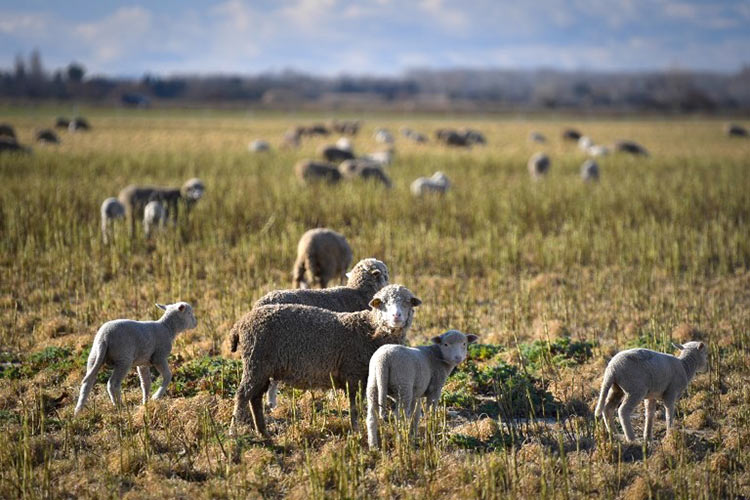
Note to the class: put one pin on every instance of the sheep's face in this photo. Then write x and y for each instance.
(702, 354)
(453, 345)
(194, 189)
(394, 306)
(183, 311)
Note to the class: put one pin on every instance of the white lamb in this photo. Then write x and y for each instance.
(437, 183)
(123, 343)
(154, 216)
(411, 373)
(344, 144)
(111, 210)
(636, 375)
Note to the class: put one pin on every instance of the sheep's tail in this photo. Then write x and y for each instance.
(609, 379)
(95, 362)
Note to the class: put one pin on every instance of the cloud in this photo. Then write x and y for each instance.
(126, 30)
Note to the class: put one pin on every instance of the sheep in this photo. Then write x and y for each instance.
(77, 124)
(345, 144)
(363, 169)
(411, 373)
(538, 165)
(585, 142)
(590, 171)
(292, 137)
(641, 374)
(258, 146)
(735, 130)
(571, 134)
(308, 347)
(322, 255)
(472, 136)
(308, 171)
(62, 122)
(450, 137)
(437, 183)
(383, 158)
(11, 145)
(537, 137)
(123, 343)
(630, 147)
(111, 210)
(192, 191)
(154, 215)
(598, 150)
(7, 130)
(47, 136)
(413, 135)
(383, 136)
(363, 281)
(134, 198)
(349, 127)
(334, 154)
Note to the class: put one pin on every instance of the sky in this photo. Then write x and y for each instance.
(376, 37)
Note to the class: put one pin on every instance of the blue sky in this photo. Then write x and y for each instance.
(381, 37)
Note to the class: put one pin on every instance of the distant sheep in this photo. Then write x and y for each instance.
(258, 146)
(348, 127)
(47, 136)
(641, 374)
(78, 124)
(308, 348)
(11, 145)
(135, 198)
(451, 137)
(537, 137)
(590, 171)
(735, 130)
(7, 130)
(538, 165)
(631, 147)
(437, 183)
(322, 255)
(192, 191)
(62, 122)
(366, 170)
(345, 144)
(123, 343)
(154, 216)
(383, 136)
(334, 154)
(571, 134)
(413, 135)
(308, 171)
(585, 142)
(383, 158)
(411, 373)
(598, 150)
(111, 210)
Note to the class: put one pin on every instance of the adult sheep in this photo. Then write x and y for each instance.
(735, 130)
(311, 348)
(47, 136)
(322, 255)
(309, 171)
(630, 147)
(366, 170)
(334, 154)
(437, 183)
(7, 130)
(538, 165)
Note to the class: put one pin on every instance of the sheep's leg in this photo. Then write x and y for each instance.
(88, 382)
(626, 410)
(669, 410)
(372, 416)
(114, 385)
(241, 402)
(144, 373)
(273, 389)
(614, 397)
(166, 377)
(256, 405)
(650, 409)
(416, 415)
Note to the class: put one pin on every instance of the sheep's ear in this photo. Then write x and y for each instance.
(701, 346)
(436, 340)
(471, 338)
(415, 301)
(677, 346)
(161, 306)
(181, 308)
(349, 275)
(375, 303)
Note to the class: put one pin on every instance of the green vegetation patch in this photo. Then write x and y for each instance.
(560, 352)
(212, 374)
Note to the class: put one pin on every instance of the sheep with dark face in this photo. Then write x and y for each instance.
(310, 348)
(590, 171)
(630, 147)
(309, 171)
(571, 134)
(334, 154)
(47, 136)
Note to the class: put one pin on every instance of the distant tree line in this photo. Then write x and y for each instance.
(461, 89)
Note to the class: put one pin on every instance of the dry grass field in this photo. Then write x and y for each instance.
(554, 276)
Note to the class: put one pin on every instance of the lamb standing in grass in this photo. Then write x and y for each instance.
(437, 183)
(538, 165)
(111, 210)
(322, 255)
(641, 374)
(590, 171)
(364, 281)
(153, 217)
(123, 343)
(310, 348)
(411, 373)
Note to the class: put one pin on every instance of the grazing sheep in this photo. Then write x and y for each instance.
(47, 136)
(135, 198)
(598, 150)
(7, 130)
(308, 171)
(585, 142)
(537, 137)
(735, 130)
(411, 373)
(62, 122)
(366, 170)
(191, 192)
(322, 255)
(334, 154)
(345, 144)
(364, 280)
(311, 348)
(641, 374)
(538, 165)
(571, 134)
(11, 145)
(383, 136)
(292, 137)
(123, 343)
(451, 137)
(77, 124)
(630, 147)
(437, 183)
(590, 171)
(111, 210)
(154, 216)
(382, 158)
(258, 146)
(413, 135)
(348, 127)
(472, 136)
